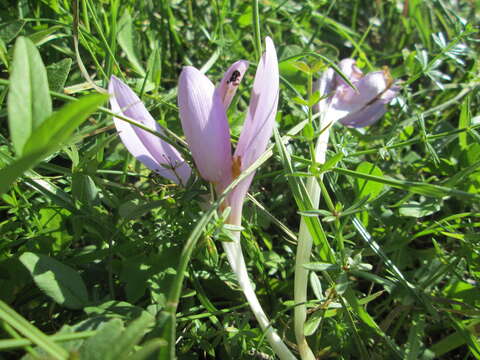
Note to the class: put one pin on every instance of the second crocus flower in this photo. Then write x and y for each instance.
(355, 107)
(358, 107)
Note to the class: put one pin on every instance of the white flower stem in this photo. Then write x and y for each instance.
(237, 262)
(304, 250)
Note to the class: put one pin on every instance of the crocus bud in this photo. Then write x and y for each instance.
(355, 108)
(147, 148)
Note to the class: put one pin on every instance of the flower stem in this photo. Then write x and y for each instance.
(237, 262)
(304, 250)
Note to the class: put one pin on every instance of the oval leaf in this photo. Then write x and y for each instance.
(369, 188)
(29, 102)
(58, 281)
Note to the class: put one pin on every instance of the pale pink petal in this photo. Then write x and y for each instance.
(366, 116)
(149, 149)
(260, 120)
(262, 110)
(347, 101)
(227, 88)
(205, 125)
(372, 112)
(350, 70)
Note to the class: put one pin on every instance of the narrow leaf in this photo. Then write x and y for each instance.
(56, 130)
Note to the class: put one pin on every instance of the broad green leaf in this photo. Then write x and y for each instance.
(147, 349)
(300, 101)
(126, 39)
(315, 98)
(44, 35)
(115, 308)
(97, 347)
(60, 282)
(470, 336)
(57, 74)
(49, 137)
(369, 188)
(302, 67)
(331, 162)
(29, 102)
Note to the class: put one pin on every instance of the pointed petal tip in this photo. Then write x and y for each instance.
(189, 70)
(230, 82)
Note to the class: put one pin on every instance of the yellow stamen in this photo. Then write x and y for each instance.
(236, 166)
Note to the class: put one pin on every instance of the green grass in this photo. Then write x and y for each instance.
(90, 241)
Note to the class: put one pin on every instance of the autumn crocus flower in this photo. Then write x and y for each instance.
(355, 107)
(202, 108)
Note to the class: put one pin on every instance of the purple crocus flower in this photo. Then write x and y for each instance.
(202, 110)
(204, 121)
(355, 108)
(149, 149)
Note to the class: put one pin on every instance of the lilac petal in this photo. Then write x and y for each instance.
(347, 101)
(205, 125)
(369, 115)
(262, 110)
(230, 82)
(260, 119)
(350, 70)
(372, 112)
(149, 149)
